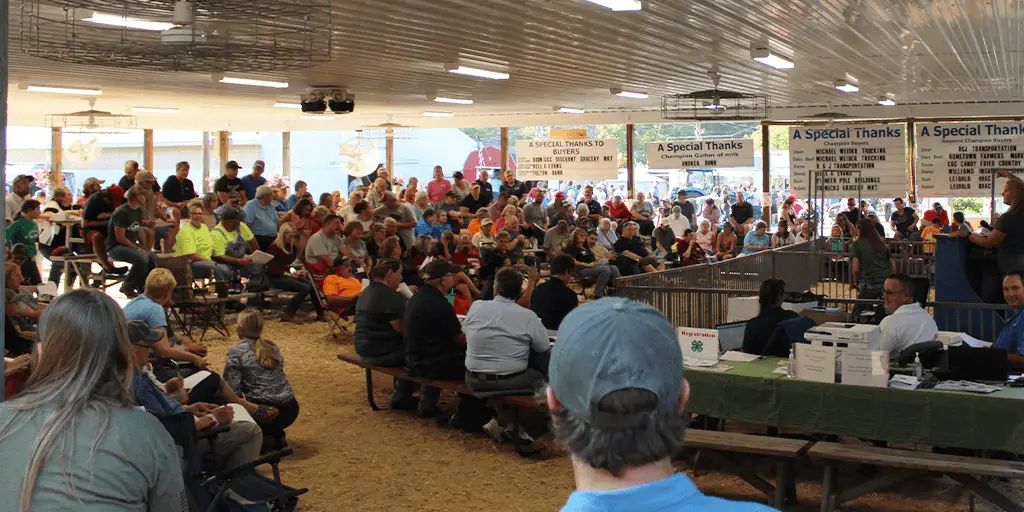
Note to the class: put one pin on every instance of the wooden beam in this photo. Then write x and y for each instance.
(56, 157)
(286, 154)
(504, 150)
(223, 145)
(630, 178)
(911, 139)
(147, 150)
(206, 162)
(389, 151)
(766, 174)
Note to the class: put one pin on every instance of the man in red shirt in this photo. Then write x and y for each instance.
(438, 187)
(937, 212)
(619, 211)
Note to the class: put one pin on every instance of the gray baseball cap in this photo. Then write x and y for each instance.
(613, 344)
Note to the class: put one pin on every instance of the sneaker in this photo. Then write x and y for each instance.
(517, 436)
(494, 430)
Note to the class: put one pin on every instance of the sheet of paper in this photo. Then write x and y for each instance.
(782, 370)
(48, 288)
(261, 258)
(865, 368)
(816, 364)
(699, 344)
(739, 357)
(241, 414)
(974, 342)
(690, 362)
(193, 380)
(904, 382)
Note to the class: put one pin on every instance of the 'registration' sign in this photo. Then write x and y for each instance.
(865, 160)
(700, 153)
(592, 159)
(958, 159)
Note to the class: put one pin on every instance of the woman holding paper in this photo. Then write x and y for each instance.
(284, 252)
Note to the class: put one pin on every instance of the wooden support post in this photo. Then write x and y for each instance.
(56, 158)
(147, 150)
(630, 178)
(389, 151)
(911, 137)
(766, 174)
(206, 162)
(286, 154)
(504, 151)
(223, 145)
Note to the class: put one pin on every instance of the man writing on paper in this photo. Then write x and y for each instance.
(1011, 338)
(908, 323)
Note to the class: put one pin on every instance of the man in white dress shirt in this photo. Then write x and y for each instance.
(908, 323)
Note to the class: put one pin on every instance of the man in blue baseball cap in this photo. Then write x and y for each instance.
(616, 396)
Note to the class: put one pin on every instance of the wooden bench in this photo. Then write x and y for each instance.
(965, 470)
(785, 453)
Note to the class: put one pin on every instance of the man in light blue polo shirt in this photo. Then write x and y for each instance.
(262, 217)
(1011, 339)
(616, 397)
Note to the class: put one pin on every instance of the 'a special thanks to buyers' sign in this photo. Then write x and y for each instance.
(682, 154)
(866, 160)
(591, 159)
(957, 159)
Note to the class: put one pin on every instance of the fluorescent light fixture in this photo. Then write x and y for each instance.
(844, 86)
(288, 105)
(454, 67)
(715, 107)
(64, 90)
(156, 110)
(257, 83)
(887, 101)
(762, 55)
(438, 114)
(570, 110)
(629, 94)
(122, 21)
(318, 117)
(619, 5)
(457, 101)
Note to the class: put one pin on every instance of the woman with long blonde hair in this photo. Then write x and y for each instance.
(74, 439)
(255, 369)
(284, 249)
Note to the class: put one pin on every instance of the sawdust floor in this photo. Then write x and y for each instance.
(353, 459)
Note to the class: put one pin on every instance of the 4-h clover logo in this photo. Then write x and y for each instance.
(697, 346)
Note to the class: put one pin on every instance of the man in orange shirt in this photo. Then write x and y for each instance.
(341, 288)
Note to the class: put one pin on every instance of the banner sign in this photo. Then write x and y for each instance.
(957, 159)
(700, 153)
(567, 133)
(593, 159)
(866, 160)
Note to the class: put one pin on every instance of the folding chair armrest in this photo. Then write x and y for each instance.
(228, 474)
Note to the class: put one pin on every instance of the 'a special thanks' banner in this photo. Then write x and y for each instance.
(591, 159)
(683, 154)
(957, 159)
(866, 160)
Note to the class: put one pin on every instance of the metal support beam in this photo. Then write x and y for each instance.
(56, 157)
(766, 174)
(4, 41)
(630, 178)
(286, 154)
(224, 148)
(389, 151)
(147, 150)
(504, 150)
(911, 138)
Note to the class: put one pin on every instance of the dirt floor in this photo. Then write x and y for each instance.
(354, 459)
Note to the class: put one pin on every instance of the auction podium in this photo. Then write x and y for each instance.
(967, 273)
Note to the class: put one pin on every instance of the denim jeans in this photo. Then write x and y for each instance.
(302, 290)
(605, 274)
(141, 264)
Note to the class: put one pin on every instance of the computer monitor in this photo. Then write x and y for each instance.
(730, 335)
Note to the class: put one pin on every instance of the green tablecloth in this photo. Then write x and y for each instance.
(751, 393)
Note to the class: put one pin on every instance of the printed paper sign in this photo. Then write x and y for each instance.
(700, 153)
(865, 160)
(699, 344)
(592, 159)
(958, 159)
(816, 364)
(865, 368)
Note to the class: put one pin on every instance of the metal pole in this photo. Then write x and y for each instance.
(630, 178)
(766, 181)
(4, 38)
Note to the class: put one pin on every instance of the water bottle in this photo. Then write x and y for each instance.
(791, 367)
(918, 369)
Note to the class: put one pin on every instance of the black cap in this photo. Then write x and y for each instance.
(139, 333)
(458, 175)
(232, 165)
(451, 193)
(439, 268)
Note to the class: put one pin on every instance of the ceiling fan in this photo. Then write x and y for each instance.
(91, 121)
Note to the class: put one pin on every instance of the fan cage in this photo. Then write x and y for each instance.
(91, 122)
(241, 36)
(738, 106)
